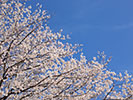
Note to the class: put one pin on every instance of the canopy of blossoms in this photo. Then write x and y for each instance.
(37, 64)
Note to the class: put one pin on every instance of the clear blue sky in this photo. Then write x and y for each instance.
(100, 25)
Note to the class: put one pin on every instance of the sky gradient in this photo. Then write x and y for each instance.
(100, 25)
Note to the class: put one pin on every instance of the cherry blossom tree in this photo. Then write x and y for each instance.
(37, 64)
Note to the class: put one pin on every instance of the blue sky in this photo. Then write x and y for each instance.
(100, 25)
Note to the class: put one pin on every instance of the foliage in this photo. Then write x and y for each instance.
(35, 64)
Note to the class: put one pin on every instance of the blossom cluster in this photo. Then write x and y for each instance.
(37, 64)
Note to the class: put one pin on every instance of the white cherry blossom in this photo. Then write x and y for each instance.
(37, 64)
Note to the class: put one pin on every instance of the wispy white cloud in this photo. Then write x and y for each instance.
(124, 26)
(86, 26)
